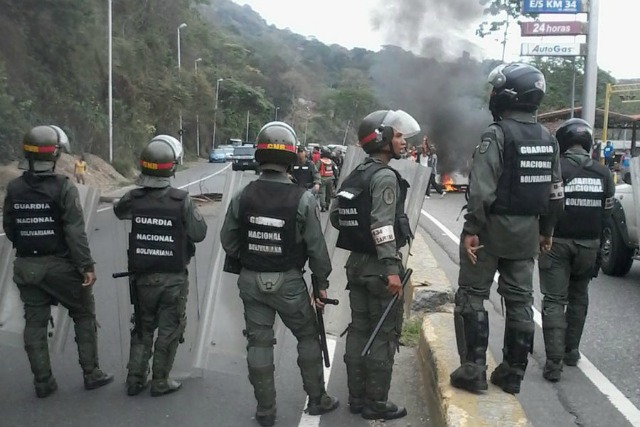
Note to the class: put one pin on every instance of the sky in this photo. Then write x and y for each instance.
(443, 27)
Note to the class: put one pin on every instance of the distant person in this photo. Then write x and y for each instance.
(80, 168)
(305, 172)
(430, 160)
(608, 155)
(315, 156)
(596, 151)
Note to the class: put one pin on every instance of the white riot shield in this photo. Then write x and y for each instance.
(220, 344)
(418, 177)
(183, 361)
(11, 311)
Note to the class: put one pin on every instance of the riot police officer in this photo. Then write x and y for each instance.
(515, 197)
(43, 219)
(305, 172)
(565, 271)
(370, 216)
(165, 225)
(271, 228)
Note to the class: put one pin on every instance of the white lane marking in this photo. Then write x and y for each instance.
(606, 387)
(182, 186)
(314, 420)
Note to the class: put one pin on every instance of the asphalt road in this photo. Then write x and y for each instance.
(214, 399)
(604, 392)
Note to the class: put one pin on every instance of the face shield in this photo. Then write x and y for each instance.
(63, 139)
(174, 144)
(401, 122)
(496, 78)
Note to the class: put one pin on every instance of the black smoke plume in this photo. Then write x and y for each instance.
(444, 88)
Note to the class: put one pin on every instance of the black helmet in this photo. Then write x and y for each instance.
(276, 143)
(326, 153)
(572, 132)
(376, 130)
(516, 86)
(159, 157)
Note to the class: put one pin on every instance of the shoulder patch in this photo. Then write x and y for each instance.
(486, 140)
(389, 196)
(484, 145)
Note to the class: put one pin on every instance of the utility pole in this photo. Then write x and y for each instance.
(591, 67)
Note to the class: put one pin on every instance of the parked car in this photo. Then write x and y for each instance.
(620, 233)
(217, 155)
(244, 158)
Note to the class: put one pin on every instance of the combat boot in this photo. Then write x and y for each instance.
(43, 380)
(87, 342)
(163, 358)
(377, 403)
(160, 387)
(518, 342)
(266, 416)
(383, 411)
(576, 317)
(553, 329)
(138, 368)
(552, 370)
(571, 357)
(96, 378)
(45, 387)
(264, 389)
(472, 336)
(322, 405)
(356, 380)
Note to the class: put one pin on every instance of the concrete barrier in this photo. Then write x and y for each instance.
(430, 297)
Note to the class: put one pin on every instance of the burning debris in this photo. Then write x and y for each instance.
(445, 88)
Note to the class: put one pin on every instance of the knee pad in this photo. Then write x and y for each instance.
(260, 337)
(467, 303)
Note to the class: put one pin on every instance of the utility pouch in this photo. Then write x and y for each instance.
(269, 283)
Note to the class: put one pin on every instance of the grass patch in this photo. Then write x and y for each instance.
(411, 332)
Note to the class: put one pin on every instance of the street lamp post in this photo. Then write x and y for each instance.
(181, 26)
(277, 108)
(247, 137)
(110, 38)
(215, 114)
(197, 114)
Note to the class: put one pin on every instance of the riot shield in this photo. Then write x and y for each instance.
(220, 343)
(11, 311)
(418, 177)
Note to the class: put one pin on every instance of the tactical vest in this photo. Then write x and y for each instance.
(37, 215)
(525, 184)
(354, 211)
(268, 218)
(303, 174)
(158, 239)
(326, 168)
(584, 201)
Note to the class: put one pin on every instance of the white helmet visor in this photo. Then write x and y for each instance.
(402, 122)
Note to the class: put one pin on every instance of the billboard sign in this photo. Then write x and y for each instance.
(553, 49)
(560, 28)
(555, 6)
